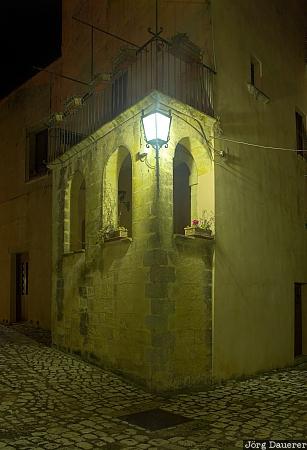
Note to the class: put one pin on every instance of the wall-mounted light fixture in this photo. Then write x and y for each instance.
(156, 125)
(156, 128)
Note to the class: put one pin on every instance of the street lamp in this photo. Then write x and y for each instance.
(156, 127)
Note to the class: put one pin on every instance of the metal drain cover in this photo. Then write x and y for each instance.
(154, 419)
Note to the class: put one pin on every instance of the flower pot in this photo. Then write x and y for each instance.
(117, 234)
(195, 231)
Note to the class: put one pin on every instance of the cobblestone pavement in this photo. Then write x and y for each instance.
(50, 400)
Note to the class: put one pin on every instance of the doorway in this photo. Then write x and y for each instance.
(22, 286)
(298, 321)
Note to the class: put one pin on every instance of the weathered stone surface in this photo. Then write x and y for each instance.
(51, 400)
(156, 290)
(157, 257)
(131, 304)
(162, 274)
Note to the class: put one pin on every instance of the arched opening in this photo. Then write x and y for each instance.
(77, 213)
(125, 194)
(184, 189)
(182, 198)
(117, 197)
(81, 214)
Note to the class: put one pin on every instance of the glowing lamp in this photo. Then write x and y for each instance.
(156, 128)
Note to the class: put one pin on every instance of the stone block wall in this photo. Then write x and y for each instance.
(140, 306)
(25, 206)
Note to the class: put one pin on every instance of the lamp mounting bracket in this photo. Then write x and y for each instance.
(155, 33)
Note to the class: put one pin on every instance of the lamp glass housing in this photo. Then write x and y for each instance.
(156, 128)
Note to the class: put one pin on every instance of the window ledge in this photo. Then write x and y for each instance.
(37, 178)
(118, 239)
(193, 238)
(74, 252)
(259, 95)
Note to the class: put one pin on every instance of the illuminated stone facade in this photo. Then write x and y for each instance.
(164, 309)
(142, 304)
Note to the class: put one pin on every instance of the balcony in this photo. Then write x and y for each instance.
(173, 68)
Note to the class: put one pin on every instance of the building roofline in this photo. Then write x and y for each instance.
(30, 80)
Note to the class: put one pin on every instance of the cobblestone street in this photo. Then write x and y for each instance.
(49, 400)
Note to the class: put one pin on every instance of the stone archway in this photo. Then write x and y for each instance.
(74, 214)
(117, 190)
(193, 183)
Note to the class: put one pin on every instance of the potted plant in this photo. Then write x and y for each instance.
(117, 233)
(109, 233)
(202, 228)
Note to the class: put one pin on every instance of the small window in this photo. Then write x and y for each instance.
(300, 134)
(37, 154)
(255, 72)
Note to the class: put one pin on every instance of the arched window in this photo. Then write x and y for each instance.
(125, 194)
(74, 222)
(184, 189)
(117, 203)
(81, 216)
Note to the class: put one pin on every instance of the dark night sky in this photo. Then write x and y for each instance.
(30, 35)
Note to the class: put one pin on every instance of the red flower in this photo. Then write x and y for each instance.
(195, 222)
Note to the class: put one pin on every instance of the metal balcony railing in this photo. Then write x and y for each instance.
(154, 67)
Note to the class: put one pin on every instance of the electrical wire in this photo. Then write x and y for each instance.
(105, 32)
(286, 149)
(201, 131)
(40, 69)
(203, 134)
(89, 146)
(148, 164)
